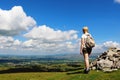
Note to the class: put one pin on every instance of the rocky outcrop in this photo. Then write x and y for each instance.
(107, 61)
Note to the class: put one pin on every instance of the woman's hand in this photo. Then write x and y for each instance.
(81, 52)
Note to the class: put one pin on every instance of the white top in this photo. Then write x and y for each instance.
(84, 36)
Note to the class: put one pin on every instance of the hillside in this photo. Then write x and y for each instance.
(49, 67)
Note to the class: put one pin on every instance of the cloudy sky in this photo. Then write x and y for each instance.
(55, 26)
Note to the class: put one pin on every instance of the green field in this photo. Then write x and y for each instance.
(15, 68)
(72, 75)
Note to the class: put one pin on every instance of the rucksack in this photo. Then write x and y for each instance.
(89, 43)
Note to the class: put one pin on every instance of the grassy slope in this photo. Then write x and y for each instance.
(74, 75)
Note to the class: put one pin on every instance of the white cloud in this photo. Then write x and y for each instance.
(13, 21)
(48, 40)
(110, 44)
(48, 34)
(41, 39)
(9, 43)
(117, 1)
(105, 46)
(37, 46)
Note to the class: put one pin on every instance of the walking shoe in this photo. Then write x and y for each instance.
(86, 71)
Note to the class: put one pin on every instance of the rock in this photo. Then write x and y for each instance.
(104, 64)
(111, 52)
(93, 68)
(118, 64)
(116, 55)
(107, 70)
(107, 61)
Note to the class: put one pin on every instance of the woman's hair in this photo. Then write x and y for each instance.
(85, 29)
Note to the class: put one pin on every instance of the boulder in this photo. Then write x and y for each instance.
(108, 61)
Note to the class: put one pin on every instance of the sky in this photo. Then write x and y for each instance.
(40, 27)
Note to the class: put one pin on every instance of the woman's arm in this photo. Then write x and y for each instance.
(81, 46)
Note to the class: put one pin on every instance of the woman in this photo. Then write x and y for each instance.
(84, 50)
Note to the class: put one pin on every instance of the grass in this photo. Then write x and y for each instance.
(72, 75)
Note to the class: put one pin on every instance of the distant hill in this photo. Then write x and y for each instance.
(74, 56)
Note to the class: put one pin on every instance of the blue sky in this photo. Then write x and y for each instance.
(58, 17)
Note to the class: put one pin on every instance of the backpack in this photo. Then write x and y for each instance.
(89, 43)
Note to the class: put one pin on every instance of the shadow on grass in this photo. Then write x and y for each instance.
(77, 71)
(20, 70)
(17, 70)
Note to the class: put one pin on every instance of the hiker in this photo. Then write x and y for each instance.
(84, 50)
